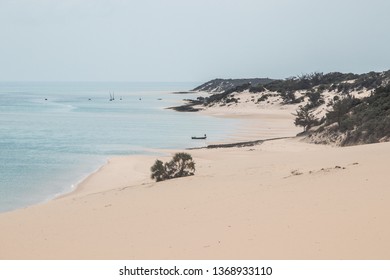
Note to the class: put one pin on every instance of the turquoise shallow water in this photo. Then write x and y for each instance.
(48, 146)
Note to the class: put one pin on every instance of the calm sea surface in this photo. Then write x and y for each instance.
(52, 135)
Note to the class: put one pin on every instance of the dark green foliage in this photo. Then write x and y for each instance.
(257, 89)
(364, 121)
(264, 97)
(305, 118)
(226, 95)
(231, 100)
(315, 99)
(340, 110)
(158, 171)
(313, 82)
(322, 88)
(288, 97)
(334, 81)
(240, 88)
(372, 118)
(181, 165)
(308, 81)
(225, 84)
(367, 81)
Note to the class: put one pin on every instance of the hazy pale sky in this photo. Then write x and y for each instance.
(189, 40)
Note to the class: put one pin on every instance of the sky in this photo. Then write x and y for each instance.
(189, 40)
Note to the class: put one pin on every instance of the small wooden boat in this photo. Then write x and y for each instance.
(199, 138)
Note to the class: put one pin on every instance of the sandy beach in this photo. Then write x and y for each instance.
(283, 199)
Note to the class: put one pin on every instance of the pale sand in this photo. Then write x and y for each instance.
(258, 121)
(243, 203)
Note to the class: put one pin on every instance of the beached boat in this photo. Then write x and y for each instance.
(199, 138)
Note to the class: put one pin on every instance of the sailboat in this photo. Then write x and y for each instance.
(112, 96)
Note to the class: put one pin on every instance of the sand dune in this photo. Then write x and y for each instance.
(283, 199)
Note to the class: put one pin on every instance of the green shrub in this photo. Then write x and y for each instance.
(158, 171)
(264, 97)
(181, 165)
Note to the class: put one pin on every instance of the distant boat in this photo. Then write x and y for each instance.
(199, 138)
(112, 96)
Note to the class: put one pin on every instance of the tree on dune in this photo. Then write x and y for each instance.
(305, 118)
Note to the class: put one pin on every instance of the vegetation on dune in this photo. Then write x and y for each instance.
(305, 118)
(313, 84)
(363, 121)
(334, 81)
(348, 121)
(221, 85)
(340, 110)
(354, 121)
(181, 165)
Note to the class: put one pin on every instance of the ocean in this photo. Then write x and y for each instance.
(52, 135)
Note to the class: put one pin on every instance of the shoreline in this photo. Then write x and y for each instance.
(247, 121)
(282, 199)
(247, 118)
(76, 185)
